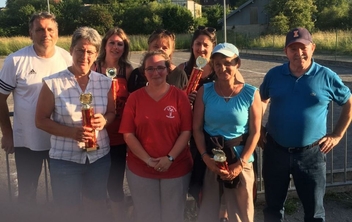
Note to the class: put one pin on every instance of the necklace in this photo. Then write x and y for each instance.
(226, 98)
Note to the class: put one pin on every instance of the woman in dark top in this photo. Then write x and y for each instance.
(159, 40)
(202, 44)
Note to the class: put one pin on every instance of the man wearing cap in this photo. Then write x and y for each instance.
(227, 111)
(296, 141)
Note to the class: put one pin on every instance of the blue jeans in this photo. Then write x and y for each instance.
(308, 169)
(70, 181)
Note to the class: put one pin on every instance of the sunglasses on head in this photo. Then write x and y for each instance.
(160, 31)
(209, 29)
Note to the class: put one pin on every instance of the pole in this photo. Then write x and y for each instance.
(225, 37)
(48, 6)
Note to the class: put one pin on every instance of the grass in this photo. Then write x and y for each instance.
(292, 205)
(345, 198)
(339, 42)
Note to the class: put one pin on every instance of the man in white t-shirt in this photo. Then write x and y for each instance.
(22, 75)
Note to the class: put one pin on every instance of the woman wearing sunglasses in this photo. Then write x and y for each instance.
(164, 40)
(156, 125)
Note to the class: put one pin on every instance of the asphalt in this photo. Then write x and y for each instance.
(322, 58)
(265, 54)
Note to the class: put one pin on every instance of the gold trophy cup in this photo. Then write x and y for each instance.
(87, 115)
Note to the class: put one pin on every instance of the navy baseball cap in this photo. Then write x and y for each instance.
(300, 35)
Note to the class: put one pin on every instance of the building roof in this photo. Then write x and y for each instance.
(239, 9)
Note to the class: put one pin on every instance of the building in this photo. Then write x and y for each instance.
(195, 8)
(250, 18)
(213, 2)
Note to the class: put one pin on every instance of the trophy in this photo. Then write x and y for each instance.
(111, 73)
(220, 159)
(119, 91)
(196, 74)
(87, 115)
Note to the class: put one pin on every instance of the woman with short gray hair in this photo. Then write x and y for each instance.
(76, 170)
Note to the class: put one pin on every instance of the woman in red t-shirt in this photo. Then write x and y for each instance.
(156, 125)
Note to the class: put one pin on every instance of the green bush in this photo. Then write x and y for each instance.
(338, 42)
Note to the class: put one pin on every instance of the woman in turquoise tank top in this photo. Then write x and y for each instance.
(228, 111)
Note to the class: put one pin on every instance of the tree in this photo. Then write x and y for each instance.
(279, 24)
(349, 16)
(322, 4)
(296, 13)
(146, 18)
(18, 13)
(333, 16)
(141, 19)
(97, 17)
(176, 18)
(213, 14)
(68, 13)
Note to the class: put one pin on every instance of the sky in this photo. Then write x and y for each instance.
(2, 3)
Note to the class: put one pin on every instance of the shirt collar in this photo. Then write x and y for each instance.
(311, 70)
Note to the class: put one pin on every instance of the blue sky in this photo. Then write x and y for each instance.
(2, 3)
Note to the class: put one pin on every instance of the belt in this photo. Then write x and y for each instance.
(292, 149)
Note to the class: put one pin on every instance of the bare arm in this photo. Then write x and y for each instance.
(137, 149)
(45, 107)
(198, 134)
(262, 139)
(5, 125)
(331, 140)
(265, 105)
(255, 120)
(180, 144)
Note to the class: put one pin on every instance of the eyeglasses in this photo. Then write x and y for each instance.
(159, 31)
(209, 29)
(82, 52)
(150, 70)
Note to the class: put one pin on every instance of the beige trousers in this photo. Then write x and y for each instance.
(239, 201)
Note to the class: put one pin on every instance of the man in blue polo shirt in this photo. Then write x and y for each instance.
(296, 140)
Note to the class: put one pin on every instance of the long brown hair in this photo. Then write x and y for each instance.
(124, 60)
(200, 31)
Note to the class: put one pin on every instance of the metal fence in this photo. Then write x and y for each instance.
(339, 169)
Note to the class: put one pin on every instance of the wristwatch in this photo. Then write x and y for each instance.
(170, 158)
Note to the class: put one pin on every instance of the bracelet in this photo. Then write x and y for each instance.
(201, 156)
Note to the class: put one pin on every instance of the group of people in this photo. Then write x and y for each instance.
(145, 125)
